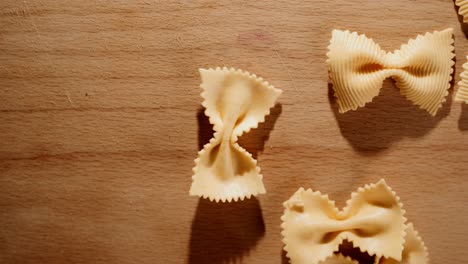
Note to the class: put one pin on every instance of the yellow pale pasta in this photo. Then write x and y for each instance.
(339, 259)
(373, 220)
(463, 9)
(462, 92)
(414, 251)
(235, 102)
(422, 69)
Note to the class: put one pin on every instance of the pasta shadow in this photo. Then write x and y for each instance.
(284, 258)
(463, 121)
(253, 141)
(205, 129)
(225, 232)
(389, 118)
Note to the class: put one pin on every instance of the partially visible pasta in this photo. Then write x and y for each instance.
(463, 9)
(373, 220)
(462, 92)
(339, 259)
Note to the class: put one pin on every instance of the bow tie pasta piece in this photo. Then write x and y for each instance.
(422, 69)
(235, 102)
(373, 220)
(414, 251)
(463, 9)
(339, 259)
(462, 93)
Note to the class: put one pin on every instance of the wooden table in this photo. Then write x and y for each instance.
(100, 120)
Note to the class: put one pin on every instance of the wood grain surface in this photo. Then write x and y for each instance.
(100, 121)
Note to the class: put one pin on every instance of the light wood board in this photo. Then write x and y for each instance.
(100, 120)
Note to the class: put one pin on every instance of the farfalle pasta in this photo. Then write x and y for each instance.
(462, 92)
(422, 69)
(235, 102)
(373, 220)
(463, 9)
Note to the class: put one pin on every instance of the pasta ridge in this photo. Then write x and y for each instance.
(462, 92)
(463, 9)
